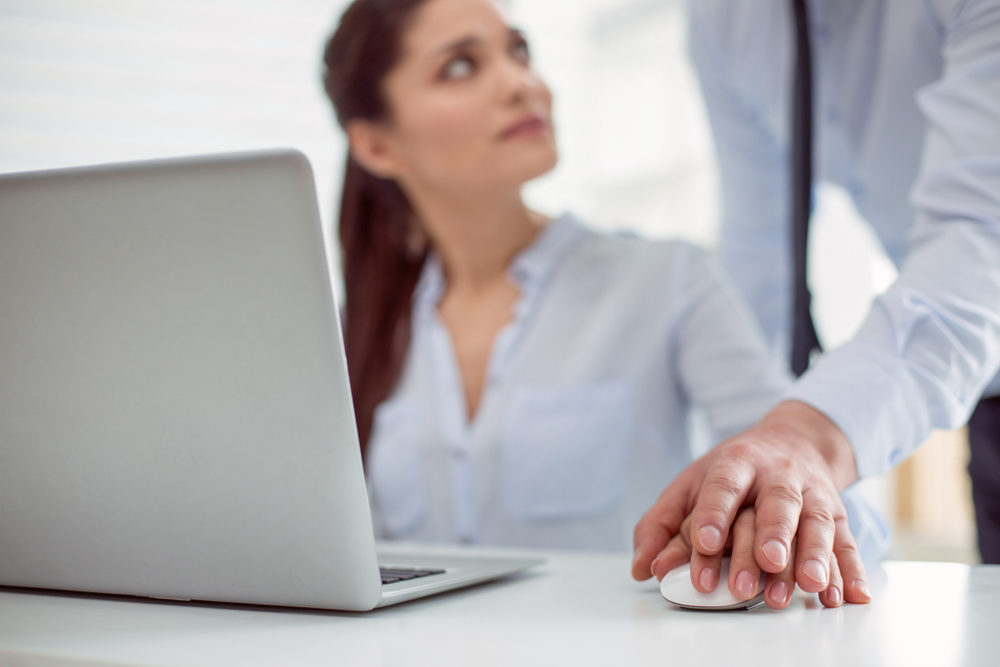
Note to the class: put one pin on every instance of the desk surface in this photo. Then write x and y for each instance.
(579, 609)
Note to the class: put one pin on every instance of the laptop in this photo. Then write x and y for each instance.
(175, 414)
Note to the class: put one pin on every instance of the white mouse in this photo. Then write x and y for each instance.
(677, 588)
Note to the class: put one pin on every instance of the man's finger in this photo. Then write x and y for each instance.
(852, 568)
(817, 526)
(779, 504)
(727, 482)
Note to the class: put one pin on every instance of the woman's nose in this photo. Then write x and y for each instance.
(519, 81)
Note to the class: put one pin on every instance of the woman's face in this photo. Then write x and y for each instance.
(467, 112)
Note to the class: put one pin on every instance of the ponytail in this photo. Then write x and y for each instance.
(381, 263)
(381, 269)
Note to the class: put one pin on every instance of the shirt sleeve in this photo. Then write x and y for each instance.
(723, 364)
(931, 343)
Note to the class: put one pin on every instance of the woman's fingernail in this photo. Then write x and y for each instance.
(775, 552)
(710, 538)
(638, 551)
(707, 579)
(779, 592)
(815, 570)
(745, 584)
(652, 566)
(861, 586)
(835, 597)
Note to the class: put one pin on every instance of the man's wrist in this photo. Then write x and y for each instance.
(805, 423)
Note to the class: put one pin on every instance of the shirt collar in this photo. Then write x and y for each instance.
(533, 265)
(529, 270)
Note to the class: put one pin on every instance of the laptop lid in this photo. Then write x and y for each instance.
(175, 415)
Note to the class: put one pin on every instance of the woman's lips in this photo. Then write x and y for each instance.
(526, 127)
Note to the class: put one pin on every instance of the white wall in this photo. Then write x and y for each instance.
(88, 81)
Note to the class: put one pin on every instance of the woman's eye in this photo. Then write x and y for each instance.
(458, 68)
(521, 52)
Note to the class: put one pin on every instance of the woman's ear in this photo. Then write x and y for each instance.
(371, 148)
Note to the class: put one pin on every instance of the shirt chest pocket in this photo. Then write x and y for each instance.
(564, 452)
(395, 469)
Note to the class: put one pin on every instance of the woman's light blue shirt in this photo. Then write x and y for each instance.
(584, 418)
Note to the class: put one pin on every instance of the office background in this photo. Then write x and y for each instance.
(108, 80)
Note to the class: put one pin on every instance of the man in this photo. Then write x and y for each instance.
(906, 114)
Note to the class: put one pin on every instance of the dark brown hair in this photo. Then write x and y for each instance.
(380, 263)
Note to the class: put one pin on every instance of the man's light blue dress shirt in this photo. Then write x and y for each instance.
(584, 417)
(908, 122)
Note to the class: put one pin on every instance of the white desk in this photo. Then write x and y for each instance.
(574, 610)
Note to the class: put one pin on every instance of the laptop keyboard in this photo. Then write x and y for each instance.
(391, 575)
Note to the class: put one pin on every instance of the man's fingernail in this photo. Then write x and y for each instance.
(815, 570)
(775, 552)
(710, 538)
(745, 584)
(707, 579)
(862, 587)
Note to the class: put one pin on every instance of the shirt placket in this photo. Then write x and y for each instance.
(456, 432)
(464, 439)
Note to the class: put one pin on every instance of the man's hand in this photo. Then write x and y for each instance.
(789, 467)
(743, 571)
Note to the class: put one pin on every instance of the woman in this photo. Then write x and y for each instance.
(518, 380)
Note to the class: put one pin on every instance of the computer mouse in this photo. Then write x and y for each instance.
(676, 587)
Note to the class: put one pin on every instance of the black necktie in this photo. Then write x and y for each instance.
(804, 339)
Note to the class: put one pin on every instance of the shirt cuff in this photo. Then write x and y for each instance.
(874, 401)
